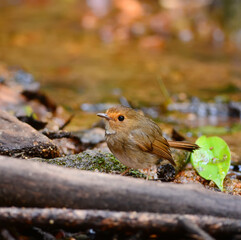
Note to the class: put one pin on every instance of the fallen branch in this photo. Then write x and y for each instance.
(57, 135)
(70, 219)
(32, 184)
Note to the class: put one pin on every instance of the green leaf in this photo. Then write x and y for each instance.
(29, 112)
(212, 159)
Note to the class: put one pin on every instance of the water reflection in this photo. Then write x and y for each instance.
(182, 4)
(100, 7)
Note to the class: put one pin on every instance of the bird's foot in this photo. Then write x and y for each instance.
(126, 171)
(148, 173)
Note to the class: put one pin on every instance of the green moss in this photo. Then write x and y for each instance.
(136, 174)
(103, 162)
(93, 160)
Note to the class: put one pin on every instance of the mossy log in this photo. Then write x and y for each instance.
(25, 183)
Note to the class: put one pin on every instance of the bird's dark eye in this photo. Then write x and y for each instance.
(121, 118)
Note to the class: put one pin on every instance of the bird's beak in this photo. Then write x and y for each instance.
(104, 115)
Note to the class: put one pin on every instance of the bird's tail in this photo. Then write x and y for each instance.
(183, 145)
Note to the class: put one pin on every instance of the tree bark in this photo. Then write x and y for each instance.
(25, 183)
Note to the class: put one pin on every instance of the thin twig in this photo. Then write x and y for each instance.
(193, 228)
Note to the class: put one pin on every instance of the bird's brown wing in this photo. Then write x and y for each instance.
(161, 148)
(153, 143)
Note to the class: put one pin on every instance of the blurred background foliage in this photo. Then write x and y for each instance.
(98, 50)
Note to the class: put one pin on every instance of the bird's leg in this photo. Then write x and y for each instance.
(126, 171)
(148, 174)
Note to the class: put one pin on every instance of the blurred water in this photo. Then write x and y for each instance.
(81, 51)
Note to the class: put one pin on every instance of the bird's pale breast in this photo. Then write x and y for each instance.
(129, 154)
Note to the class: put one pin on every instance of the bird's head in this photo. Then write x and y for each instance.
(120, 119)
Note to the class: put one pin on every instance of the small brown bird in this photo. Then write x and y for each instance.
(136, 140)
